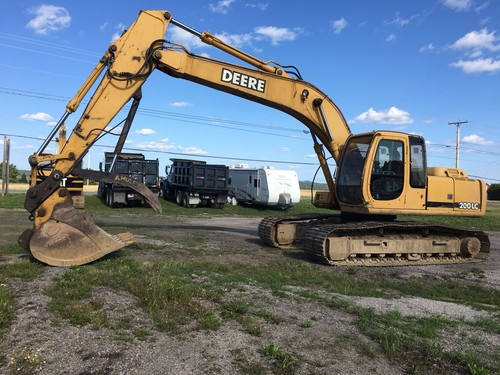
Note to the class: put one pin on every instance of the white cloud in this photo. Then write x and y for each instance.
(284, 149)
(39, 116)
(188, 40)
(120, 28)
(400, 21)
(478, 66)
(478, 41)
(390, 37)
(339, 25)
(48, 18)
(180, 104)
(429, 47)
(274, 34)
(165, 145)
(222, 6)
(458, 5)
(145, 131)
(236, 40)
(393, 115)
(476, 44)
(476, 140)
(259, 6)
(277, 34)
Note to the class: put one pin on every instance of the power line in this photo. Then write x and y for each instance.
(196, 119)
(217, 157)
(43, 43)
(466, 148)
(180, 117)
(180, 153)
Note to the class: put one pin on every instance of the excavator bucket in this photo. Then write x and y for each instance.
(71, 238)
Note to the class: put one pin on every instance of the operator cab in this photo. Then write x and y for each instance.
(379, 168)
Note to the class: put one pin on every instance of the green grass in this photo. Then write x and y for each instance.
(13, 249)
(166, 291)
(284, 362)
(6, 306)
(26, 361)
(491, 221)
(22, 268)
(15, 200)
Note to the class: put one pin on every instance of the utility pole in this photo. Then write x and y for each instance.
(457, 148)
(5, 166)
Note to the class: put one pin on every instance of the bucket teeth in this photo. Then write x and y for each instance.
(127, 238)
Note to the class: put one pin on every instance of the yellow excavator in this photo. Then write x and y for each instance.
(379, 175)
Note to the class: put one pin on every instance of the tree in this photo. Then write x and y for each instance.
(494, 192)
(13, 173)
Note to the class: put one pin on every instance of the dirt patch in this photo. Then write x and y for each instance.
(324, 339)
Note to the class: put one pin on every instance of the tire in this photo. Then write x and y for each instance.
(185, 200)
(110, 198)
(178, 197)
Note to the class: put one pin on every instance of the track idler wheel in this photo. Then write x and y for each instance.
(470, 247)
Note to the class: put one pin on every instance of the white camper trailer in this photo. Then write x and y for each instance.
(264, 186)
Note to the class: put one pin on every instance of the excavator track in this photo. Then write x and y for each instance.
(334, 241)
(394, 244)
(285, 232)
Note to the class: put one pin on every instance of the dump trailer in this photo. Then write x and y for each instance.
(131, 165)
(264, 186)
(193, 183)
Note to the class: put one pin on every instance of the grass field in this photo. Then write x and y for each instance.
(184, 292)
(491, 221)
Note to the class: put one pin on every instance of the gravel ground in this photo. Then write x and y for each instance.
(332, 345)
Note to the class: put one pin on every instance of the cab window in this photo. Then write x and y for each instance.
(418, 166)
(387, 177)
(351, 171)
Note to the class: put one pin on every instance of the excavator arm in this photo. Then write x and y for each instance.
(269, 85)
(61, 236)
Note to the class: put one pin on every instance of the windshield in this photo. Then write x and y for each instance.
(351, 170)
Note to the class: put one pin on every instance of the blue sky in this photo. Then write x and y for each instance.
(411, 66)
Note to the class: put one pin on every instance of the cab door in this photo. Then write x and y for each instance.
(396, 181)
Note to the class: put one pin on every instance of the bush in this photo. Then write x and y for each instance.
(494, 192)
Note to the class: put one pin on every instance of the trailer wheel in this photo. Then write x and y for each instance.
(178, 197)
